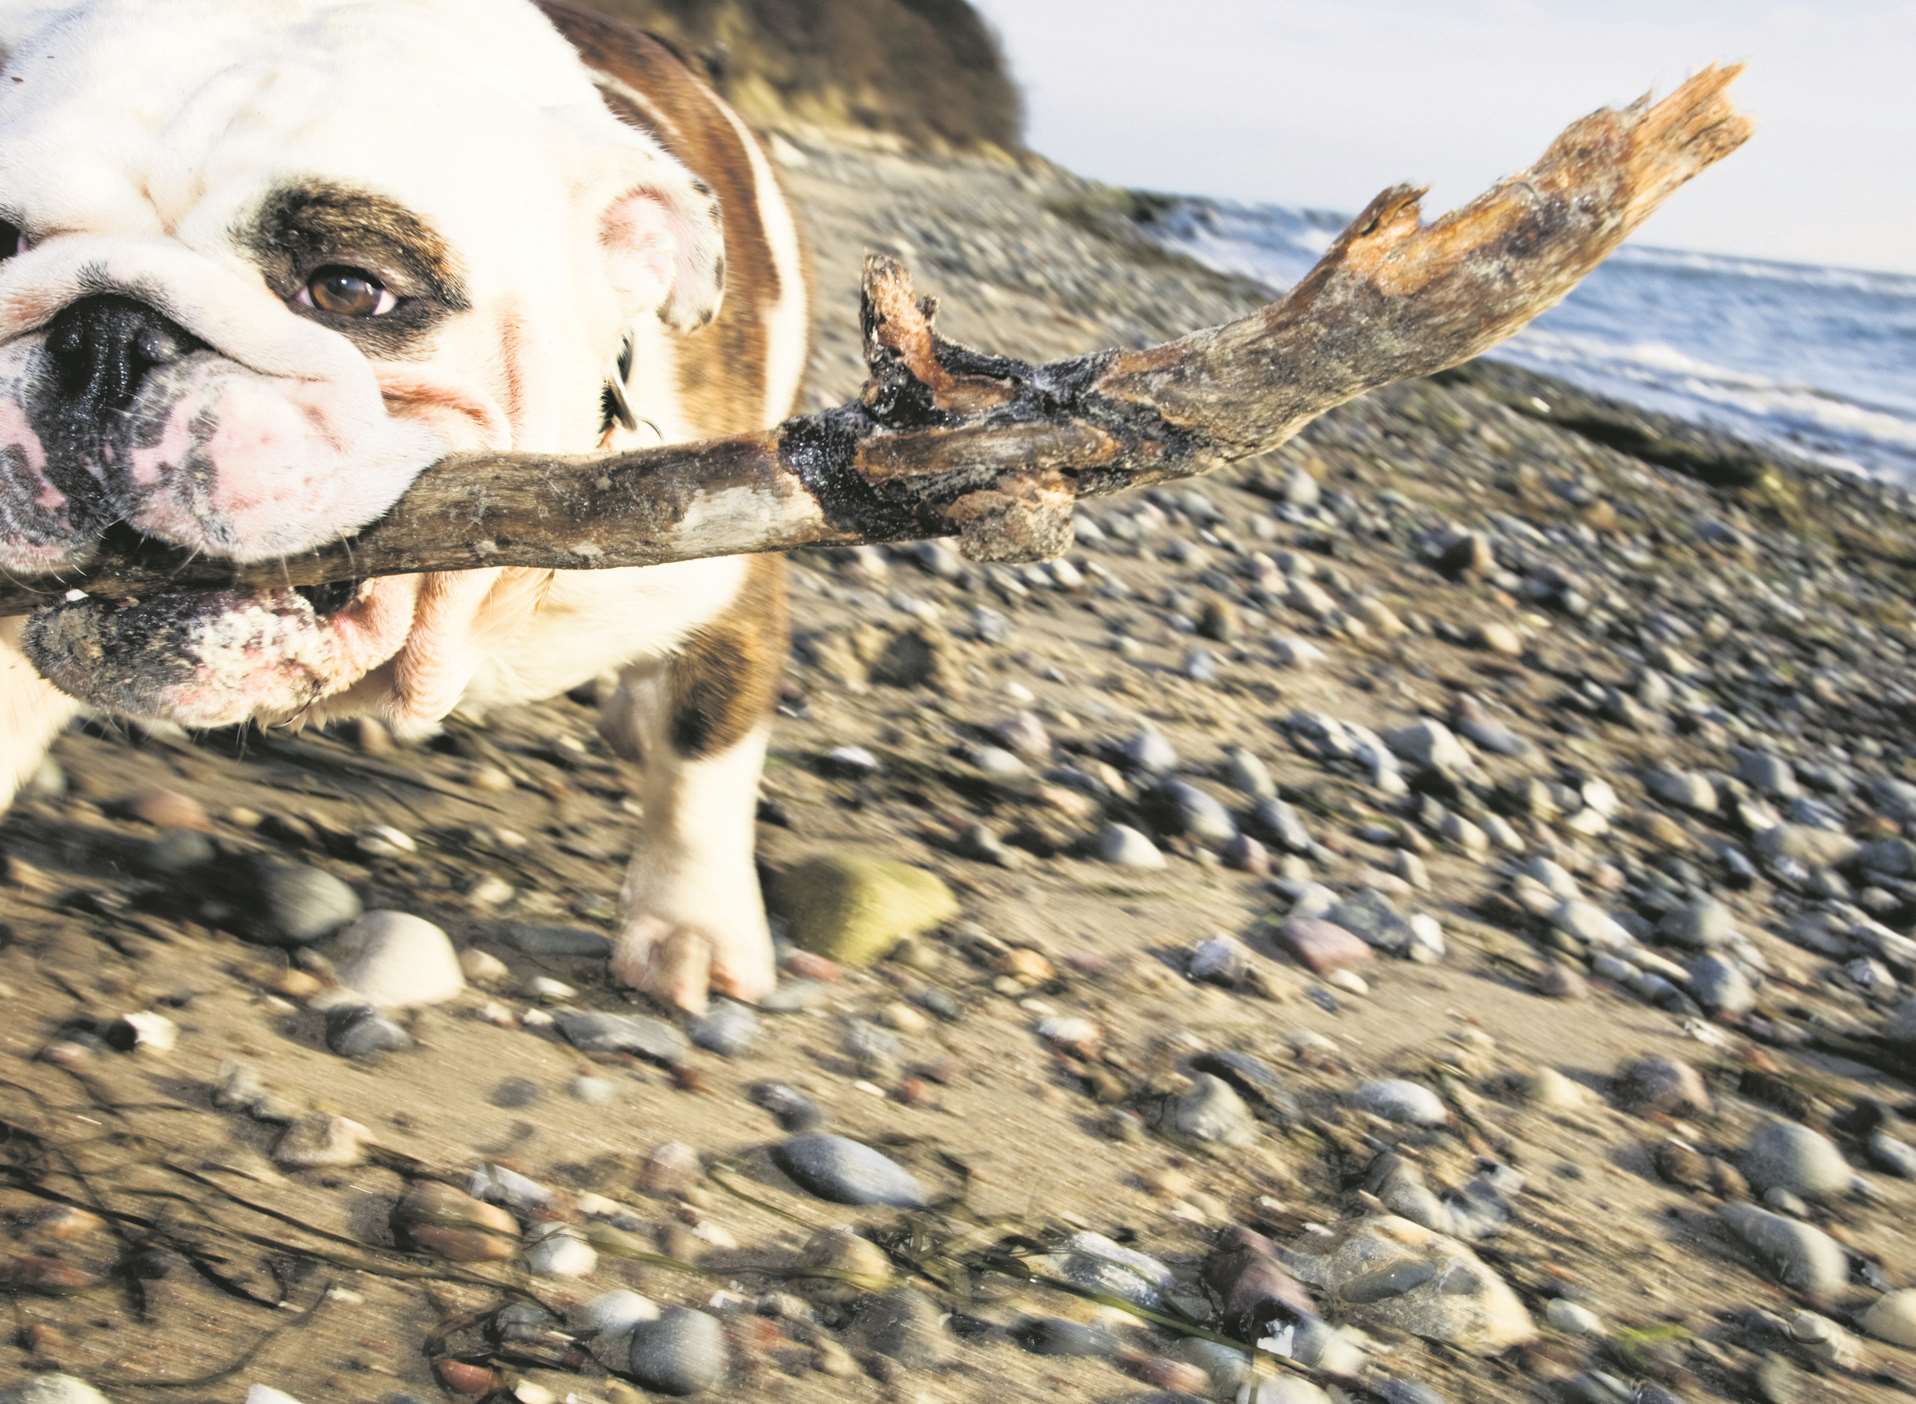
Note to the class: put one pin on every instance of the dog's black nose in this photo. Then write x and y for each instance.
(104, 346)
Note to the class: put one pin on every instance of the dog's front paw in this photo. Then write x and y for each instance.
(683, 963)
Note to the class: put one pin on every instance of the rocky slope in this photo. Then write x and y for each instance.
(917, 72)
(1436, 904)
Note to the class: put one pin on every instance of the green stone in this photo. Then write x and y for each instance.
(855, 910)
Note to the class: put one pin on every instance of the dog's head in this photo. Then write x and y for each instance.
(260, 264)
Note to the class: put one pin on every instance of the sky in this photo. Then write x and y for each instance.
(1325, 104)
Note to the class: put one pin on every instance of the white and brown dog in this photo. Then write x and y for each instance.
(262, 262)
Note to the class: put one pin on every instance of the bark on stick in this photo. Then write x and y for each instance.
(949, 441)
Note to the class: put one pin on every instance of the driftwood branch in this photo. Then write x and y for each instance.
(948, 441)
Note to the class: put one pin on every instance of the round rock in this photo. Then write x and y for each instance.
(291, 904)
(680, 1353)
(1892, 1317)
(848, 1172)
(398, 961)
(1400, 1100)
(1787, 1155)
(1124, 846)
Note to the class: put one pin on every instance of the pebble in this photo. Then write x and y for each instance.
(1721, 987)
(1391, 1273)
(1591, 924)
(1208, 1112)
(52, 1389)
(1430, 745)
(559, 1250)
(1219, 960)
(682, 1351)
(1125, 847)
(1800, 1256)
(436, 1218)
(1892, 1317)
(1660, 1083)
(1097, 1264)
(854, 908)
(593, 1031)
(359, 1031)
(1147, 750)
(1682, 788)
(266, 1394)
(290, 904)
(1704, 923)
(845, 1171)
(397, 961)
(532, 939)
(1568, 1316)
(1786, 1155)
(144, 1032)
(320, 1140)
(792, 1109)
(904, 1326)
(1322, 946)
(728, 1030)
(1178, 807)
(1400, 1100)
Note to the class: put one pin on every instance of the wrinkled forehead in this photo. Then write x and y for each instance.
(162, 115)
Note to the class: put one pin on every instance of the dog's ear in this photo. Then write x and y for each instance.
(663, 238)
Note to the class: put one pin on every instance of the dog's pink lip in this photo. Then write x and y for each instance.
(216, 657)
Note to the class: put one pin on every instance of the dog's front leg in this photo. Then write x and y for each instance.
(32, 711)
(692, 920)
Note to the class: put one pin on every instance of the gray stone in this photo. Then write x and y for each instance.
(290, 904)
(1798, 1255)
(1721, 987)
(1278, 822)
(1800, 843)
(594, 1031)
(727, 1030)
(398, 961)
(1219, 960)
(1705, 924)
(1124, 846)
(1892, 1317)
(681, 1352)
(1591, 924)
(1391, 1273)
(1660, 1083)
(1429, 745)
(1368, 914)
(1767, 773)
(905, 1326)
(1248, 775)
(52, 1389)
(1892, 1156)
(1096, 1264)
(360, 1031)
(534, 939)
(1179, 807)
(1149, 751)
(1790, 1156)
(848, 1172)
(1400, 1100)
(1683, 788)
(1208, 1112)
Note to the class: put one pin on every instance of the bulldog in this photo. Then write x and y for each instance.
(261, 263)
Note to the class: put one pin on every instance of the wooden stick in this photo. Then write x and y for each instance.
(948, 441)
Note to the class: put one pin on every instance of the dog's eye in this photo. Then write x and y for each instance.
(347, 292)
(12, 241)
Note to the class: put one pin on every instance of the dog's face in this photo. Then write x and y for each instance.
(263, 262)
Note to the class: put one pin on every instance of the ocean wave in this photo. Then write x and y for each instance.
(1863, 280)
